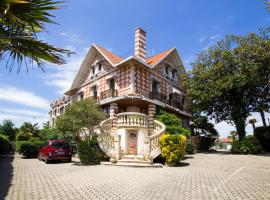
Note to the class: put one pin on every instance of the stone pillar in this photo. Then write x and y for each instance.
(151, 115)
(114, 132)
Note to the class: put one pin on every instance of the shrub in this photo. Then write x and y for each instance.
(190, 149)
(250, 145)
(4, 144)
(263, 135)
(173, 147)
(29, 149)
(89, 152)
(22, 136)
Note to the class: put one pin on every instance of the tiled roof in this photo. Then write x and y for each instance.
(113, 58)
(226, 140)
(156, 58)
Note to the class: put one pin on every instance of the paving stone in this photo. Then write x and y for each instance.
(203, 176)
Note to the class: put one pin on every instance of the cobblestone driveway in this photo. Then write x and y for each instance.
(201, 176)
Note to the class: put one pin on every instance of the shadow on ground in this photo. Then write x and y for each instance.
(6, 174)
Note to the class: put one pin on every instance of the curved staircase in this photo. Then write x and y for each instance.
(107, 141)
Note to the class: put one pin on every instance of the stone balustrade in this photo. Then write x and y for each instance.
(132, 119)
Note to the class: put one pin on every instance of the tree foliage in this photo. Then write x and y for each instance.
(172, 123)
(7, 128)
(201, 126)
(81, 117)
(20, 22)
(227, 79)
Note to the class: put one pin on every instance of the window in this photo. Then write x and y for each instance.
(111, 84)
(167, 69)
(93, 70)
(155, 86)
(94, 91)
(81, 96)
(173, 74)
(99, 66)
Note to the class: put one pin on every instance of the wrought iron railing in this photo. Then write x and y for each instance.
(158, 96)
(108, 93)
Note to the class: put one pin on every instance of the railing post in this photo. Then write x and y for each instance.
(151, 115)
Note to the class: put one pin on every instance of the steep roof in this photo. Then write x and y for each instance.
(158, 57)
(114, 59)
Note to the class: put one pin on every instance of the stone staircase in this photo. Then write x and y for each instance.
(108, 141)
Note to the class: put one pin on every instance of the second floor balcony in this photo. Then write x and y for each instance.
(108, 93)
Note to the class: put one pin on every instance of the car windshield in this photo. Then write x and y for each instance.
(63, 145)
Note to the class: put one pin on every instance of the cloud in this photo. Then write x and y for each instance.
(63, 77)
(214, 37)
(20, 96)
(18, 116)
(72, 38)
(202, 38)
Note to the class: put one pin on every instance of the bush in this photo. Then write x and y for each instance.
(250, 145)
(190, 147)
(89, 152)
(263, 135)
(24, 136)
(29, 149)
(4, 145)
(173, 147)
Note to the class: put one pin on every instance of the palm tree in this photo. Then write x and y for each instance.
(253, 122)
(20, 22)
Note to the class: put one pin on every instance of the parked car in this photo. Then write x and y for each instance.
(55, 150)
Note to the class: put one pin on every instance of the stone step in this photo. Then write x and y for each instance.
(133, 161)
(155, 165)
(132, 157)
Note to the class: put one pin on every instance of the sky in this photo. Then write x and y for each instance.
(189, 25)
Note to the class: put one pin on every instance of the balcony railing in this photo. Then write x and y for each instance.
(175, 104)
(108, 93)
(132, 119)
(158, 96)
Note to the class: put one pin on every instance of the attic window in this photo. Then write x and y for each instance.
(93, 70)
(174, 74)
(99, 66)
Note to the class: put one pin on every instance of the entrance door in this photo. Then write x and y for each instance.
(132, 140)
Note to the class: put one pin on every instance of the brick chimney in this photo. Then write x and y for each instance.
(140, 43)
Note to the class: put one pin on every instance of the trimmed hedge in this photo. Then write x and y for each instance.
(263, 135)
(89, 152)
(250, 145)
(4, 145)
(29, 149)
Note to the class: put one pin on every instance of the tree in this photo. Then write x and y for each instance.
(7, 128)
(28, 130)
(20, 22)
(253, 122)
(172, 123)
(201, 126)
(226, 79)
(81, 117)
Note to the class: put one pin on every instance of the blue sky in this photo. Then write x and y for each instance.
(188, 25)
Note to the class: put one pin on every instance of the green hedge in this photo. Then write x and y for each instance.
(190, 149)
(89, 152)
(29, 149)
(263, 135)
(4, 145)
(250, 145)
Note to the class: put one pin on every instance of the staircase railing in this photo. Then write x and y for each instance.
(105, 138)
(159, 129)
(132, 119)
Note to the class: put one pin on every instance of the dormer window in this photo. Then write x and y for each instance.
(99, 66)
(93, 70)
(174, 74)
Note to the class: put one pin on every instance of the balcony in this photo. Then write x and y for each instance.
(132, 119)
(158, 96)
(108, 93)
(175, 104)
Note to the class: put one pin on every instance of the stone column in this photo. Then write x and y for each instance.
(151, 115)
(116, 137)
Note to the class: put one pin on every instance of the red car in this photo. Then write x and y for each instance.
(55, 150)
